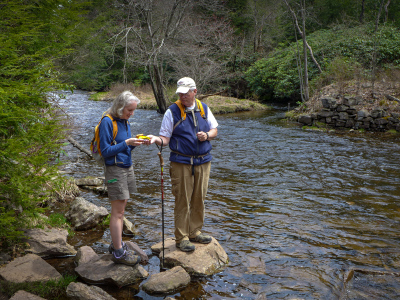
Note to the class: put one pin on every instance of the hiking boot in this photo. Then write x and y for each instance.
(201, 238)
(111, 247)
(128, 258)
(185, 246)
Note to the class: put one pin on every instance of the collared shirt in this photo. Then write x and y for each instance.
(167, 124)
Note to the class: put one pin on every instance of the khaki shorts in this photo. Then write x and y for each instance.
(120, 182)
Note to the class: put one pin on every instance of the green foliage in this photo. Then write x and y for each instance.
(338, 70)
(57, 220)
(106, 221)
(275, 76)
(32, 37)
(342, 53)
(52, 289)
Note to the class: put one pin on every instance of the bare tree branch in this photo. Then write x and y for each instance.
(379, 15)
(302, 34)
(386, 10)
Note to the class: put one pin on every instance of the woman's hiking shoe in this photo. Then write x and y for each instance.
(128, 258)
(111, 247)
(185, 246)
(201, 238)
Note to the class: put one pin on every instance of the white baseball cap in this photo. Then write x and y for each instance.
(185, 84)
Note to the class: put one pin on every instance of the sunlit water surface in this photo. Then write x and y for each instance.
(294, 210)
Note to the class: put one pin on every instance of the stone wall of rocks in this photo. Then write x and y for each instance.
(343, 114)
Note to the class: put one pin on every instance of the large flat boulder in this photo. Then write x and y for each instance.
(23, 295)
(49, 242)
(80, 291)
(167, 282)
(29, 268)
(100, 269)
(206, 260)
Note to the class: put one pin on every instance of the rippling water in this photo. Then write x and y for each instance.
(295, 210)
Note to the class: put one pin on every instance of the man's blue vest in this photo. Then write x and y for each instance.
(184, 145)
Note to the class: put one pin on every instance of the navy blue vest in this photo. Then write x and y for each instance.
(184, 145)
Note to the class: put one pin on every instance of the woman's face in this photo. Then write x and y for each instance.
(128, 110)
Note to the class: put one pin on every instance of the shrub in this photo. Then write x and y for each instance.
(341, 52)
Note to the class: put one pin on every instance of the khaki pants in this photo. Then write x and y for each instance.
(190, 192)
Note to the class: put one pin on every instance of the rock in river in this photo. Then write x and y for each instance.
(80, 291)
(84, 215)
(207, 259)
(29, 268)
(49, 242)
(167, 282)
(100, 269)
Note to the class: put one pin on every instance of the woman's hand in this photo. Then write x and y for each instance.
(134, 142)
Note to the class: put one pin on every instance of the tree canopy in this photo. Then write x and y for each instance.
(243, 48)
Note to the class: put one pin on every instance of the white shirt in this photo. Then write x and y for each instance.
(167, 125)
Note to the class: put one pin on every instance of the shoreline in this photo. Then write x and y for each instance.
(218, 104)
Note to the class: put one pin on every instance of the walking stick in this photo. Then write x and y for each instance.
(162, 268)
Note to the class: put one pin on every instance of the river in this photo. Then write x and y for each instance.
(295, 210)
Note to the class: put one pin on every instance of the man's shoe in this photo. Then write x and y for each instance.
(185, 246)
(201, 238)
(128, 258)
(111, 247)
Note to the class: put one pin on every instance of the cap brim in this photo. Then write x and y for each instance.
(182, 90)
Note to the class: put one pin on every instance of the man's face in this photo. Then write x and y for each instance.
(188, 98)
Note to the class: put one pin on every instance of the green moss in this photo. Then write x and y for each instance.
(383, 102)
(392, 131)
(314, 128)
(320, 124)
(52, 289)
(291, 115)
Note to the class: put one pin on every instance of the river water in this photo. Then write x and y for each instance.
(295, 210)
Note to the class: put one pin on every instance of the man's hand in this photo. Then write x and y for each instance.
(202, 136)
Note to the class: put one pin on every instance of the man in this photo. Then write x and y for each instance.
(187, 127)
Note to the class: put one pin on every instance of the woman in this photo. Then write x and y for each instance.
(119, 174)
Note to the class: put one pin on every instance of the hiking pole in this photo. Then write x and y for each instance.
(162, 268)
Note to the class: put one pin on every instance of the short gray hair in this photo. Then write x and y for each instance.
(120, 102)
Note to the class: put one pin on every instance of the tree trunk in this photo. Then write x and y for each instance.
(379, 15)
(362, 11)
(79, 146)
(306, 91)
(386, 10)
(158, 90)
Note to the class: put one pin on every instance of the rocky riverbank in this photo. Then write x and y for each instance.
(353, 106)
(95, 269)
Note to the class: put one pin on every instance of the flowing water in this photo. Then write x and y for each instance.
(295, 210)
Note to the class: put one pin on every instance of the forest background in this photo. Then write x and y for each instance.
(264, 50)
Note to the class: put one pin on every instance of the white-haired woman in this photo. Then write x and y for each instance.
(119, 173)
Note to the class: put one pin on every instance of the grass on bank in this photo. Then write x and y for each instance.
(218, 104)
(52, 289)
